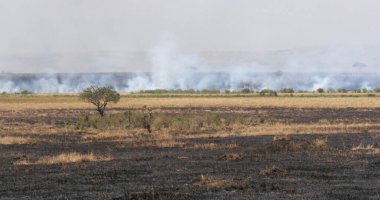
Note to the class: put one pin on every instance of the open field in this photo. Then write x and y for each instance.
(72, 102)
(55, 147)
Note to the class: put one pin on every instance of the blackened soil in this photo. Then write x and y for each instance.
(332, 172)
(290, 115)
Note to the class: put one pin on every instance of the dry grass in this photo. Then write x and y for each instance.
(281, 146)
(273, 171)
(209, 182)
(320, 143)
(213, 146)
(231, 157)
(281, 132)
(71, 158)
(111, 135)
(284, 131)
(370, 149)
(282, 138)
(137, 138)
(38, 102)
(9, 140)
(63, 158)
(158, 143)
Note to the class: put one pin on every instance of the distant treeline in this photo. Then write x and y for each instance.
(263, 92)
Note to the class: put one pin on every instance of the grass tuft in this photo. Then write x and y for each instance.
(9, 140)
(70, 158)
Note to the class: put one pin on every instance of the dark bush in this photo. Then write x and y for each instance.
(268, 92)
(342, 90)
(26, 92)
(287, 90)
(245, 90)
(320, 90)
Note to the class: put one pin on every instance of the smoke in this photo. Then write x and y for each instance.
(222, 45)
(171, 69)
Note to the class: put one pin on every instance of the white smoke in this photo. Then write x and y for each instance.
(328, 68)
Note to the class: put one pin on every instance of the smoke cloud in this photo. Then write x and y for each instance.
(328, 68)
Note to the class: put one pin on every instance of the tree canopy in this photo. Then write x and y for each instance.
(100, 97)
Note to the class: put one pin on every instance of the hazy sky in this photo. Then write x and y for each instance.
(84, 35)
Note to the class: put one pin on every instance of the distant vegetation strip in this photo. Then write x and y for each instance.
(73, 102)
(245, 92)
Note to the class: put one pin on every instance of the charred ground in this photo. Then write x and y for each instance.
(294, 153)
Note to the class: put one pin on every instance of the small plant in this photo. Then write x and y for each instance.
(147, 119)
(262, 120)
(100, 97)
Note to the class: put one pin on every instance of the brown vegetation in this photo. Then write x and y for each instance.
(72, 157)
(8, 140)
(73, 102)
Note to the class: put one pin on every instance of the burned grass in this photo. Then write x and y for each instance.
(289, 146)
(205, 152)
(231, 157)
(273, 170)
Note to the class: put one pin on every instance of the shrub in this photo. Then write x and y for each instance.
(268, 92)
(26, 92)
(287, 90)
(245, 90)
(320, 90)
(342, 90)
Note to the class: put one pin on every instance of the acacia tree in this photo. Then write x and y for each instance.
(100, 97)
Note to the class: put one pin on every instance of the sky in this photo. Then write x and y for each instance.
(118, 35)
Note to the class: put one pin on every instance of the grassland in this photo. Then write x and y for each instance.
(73, 102)
(200, 147)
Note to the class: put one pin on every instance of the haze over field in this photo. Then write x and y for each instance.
(176, 40)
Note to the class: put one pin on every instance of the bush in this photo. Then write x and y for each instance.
(287, 90)
(267, 92)
(26, 92)
(245, 90)
(320, 90)
(342, 90)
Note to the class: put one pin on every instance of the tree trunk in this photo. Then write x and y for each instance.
(100, 111)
